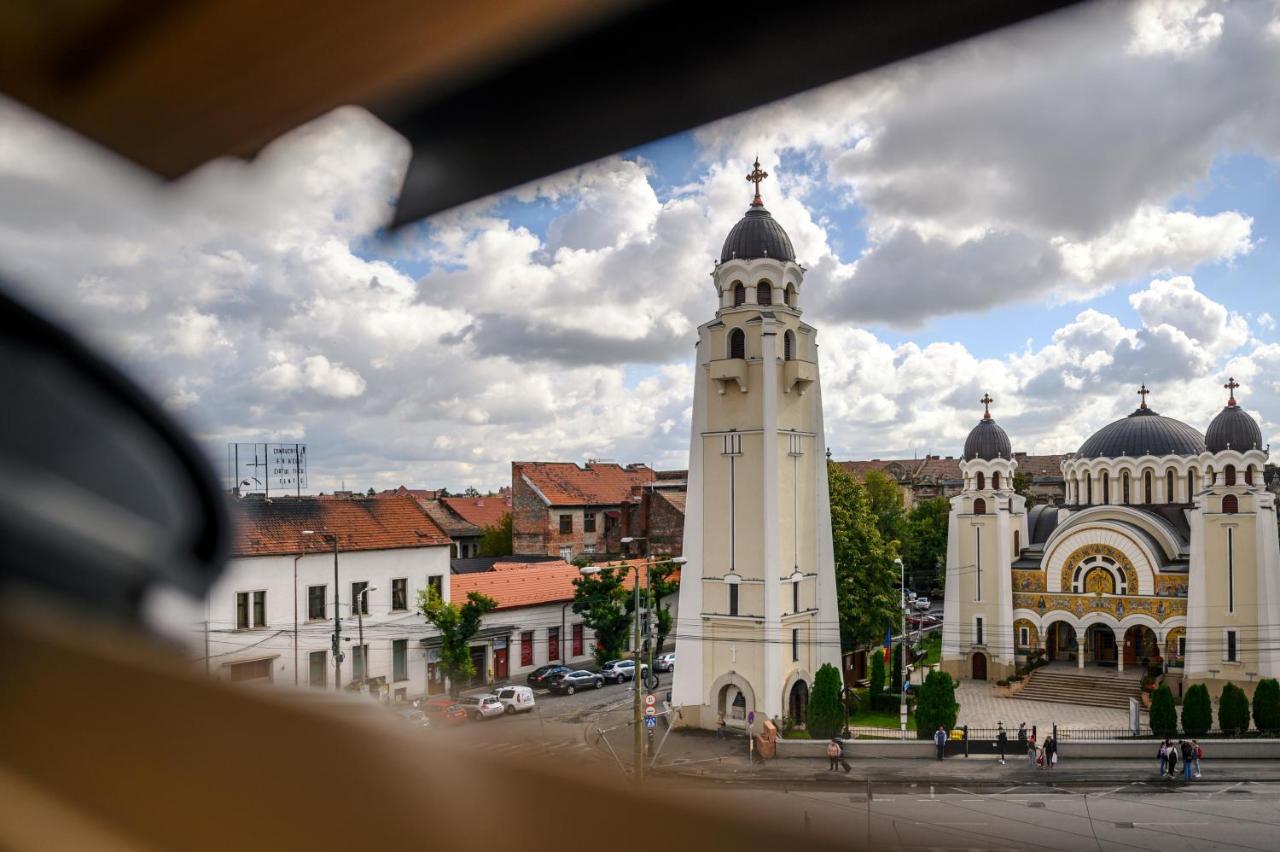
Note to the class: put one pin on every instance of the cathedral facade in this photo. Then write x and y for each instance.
(757, 613)
(1165, 552)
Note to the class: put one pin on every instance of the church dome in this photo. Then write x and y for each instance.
(1233, 428)
(756, 235)
(1143, 433)
(987, 440)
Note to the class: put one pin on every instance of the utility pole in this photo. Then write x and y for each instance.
(639, 683)
(337, 609)
(364, 657)
(902, 613)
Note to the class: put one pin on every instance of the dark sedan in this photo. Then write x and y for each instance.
(570, 682)
(543, 676)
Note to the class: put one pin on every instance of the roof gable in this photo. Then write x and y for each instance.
(274, 527)
(597, 484)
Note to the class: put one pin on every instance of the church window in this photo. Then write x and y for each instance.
(795, 595)
(982, 481)
(1088, 485)
(795, 644)
(1024, 637)
(1231, 568)
(1229, 475)
(1106, 487)
(789, 295)
(739, 294)
(1146, 487)
(764, 293)
(733, 598)
(979, 505)
(788, 345)
(1248, 475)
(1212, 476)
(977, 631)
(1191, 484)
(1230, 505)
(737, 344)
(1168, 486)
(1124, 487)
(995, 480)
(1229, 653)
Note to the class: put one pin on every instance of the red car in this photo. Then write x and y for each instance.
(444, 710)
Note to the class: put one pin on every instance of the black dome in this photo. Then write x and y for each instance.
(987, 441)
(1233, 429)
(757, 234)
(1143, 433)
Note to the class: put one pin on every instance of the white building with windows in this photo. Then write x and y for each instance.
(270, 617)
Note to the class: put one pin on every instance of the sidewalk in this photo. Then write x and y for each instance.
(695, 755)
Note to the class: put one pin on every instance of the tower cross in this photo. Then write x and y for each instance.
(757, 175)
(1231, 386)
(1142, 392)
(986, 406)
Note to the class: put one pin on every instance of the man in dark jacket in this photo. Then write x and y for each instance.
(1002, 741)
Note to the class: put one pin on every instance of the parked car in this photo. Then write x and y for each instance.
(443, 710)
(620, 670)
(665, 662)
(570, 682)
(911, 596)
(482, 706)
(922, 604)
(413, 716)
(516, 699)
(542, 676)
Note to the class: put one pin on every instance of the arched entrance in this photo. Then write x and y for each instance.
(979, 666)
(798, 702)
(1100, 643)
(1141, 646)
(733, 698)
(1060, 641)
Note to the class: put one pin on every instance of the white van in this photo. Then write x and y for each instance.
(516, 699)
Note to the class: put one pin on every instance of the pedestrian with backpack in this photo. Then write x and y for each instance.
(1188, 760)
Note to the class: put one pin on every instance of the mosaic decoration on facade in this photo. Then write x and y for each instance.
(1117, 605)
(1033, 634)
(1028, 580)
(1101, 551)
(1099, 582)
(1171, 641)
(1171, 587)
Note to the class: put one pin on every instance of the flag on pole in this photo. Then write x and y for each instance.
(888, 642)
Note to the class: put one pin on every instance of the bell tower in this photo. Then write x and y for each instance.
(757, 593)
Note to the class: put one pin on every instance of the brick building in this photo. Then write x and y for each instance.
(939, 476)
(561, 509)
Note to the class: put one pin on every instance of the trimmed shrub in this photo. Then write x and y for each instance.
(877, 676)
(1233, 710)
(1164, 716)
(936, 704)
(1197, 711)
(826, 714)
(1266, 705)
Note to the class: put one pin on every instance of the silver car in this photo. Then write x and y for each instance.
(665, 662)
(482, 706)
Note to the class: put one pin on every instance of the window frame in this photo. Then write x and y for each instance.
(566, 524)
(399, 660)
(323, 657)
(554, 654)
(1230, 646)
(733, 598)
(577, 639)
(324, 602)
(795, 644)
(251, 609)
(588, 522)
(357, 595)
(400, 587)
(526, 648)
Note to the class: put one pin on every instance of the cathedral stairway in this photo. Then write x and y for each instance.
(1069, 686)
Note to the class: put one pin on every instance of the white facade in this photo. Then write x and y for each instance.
(279, 646)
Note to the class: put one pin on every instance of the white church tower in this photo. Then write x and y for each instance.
(757, 615)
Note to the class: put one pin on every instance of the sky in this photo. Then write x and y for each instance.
(1054, 214)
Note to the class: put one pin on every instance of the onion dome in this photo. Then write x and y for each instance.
(1233, 428)
(1143, 433)
(987, 441)
(757, 233)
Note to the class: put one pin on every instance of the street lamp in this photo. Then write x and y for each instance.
(364, 656)
(902, 612)
(337, 622)
(638, 704)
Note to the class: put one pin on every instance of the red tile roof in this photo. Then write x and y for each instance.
(274, 528)
(516, 584)
(481, 511)
(675, 498)
(597, 484)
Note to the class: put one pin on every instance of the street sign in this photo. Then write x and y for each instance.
(651, 710)
(650, 700)
(651, 722)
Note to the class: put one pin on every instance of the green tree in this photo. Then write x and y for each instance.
(663, 583)
(924, 543)
(457, 624)
(471, 491)
(826, 712)
(1233, 710)
(866, 576)
(1266, 705)
(936, 704)
(496, 540)
(1022, 485)
(885, 497)
(1164, 715)
(877, 676)
(605, 606)
(1197, 711)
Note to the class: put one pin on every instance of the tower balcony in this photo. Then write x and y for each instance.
(799, 375)
(725, 370)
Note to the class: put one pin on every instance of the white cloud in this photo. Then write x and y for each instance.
(1173, 27)
(1266, 321)
(1176, 302)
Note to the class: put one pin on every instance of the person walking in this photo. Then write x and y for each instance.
(1050, 751)
(1163, 754)
(844, 764)
(1188, 760)
(833, 755)
(1199, 754)
(1022, 737)
(940, 740)
(720, 727)
(1002, 741)
(1171, 763)
(1031, 750)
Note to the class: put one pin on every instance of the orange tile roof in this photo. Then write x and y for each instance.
(481, 511)
(274, 528)
(597, 484)
(517, 584)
